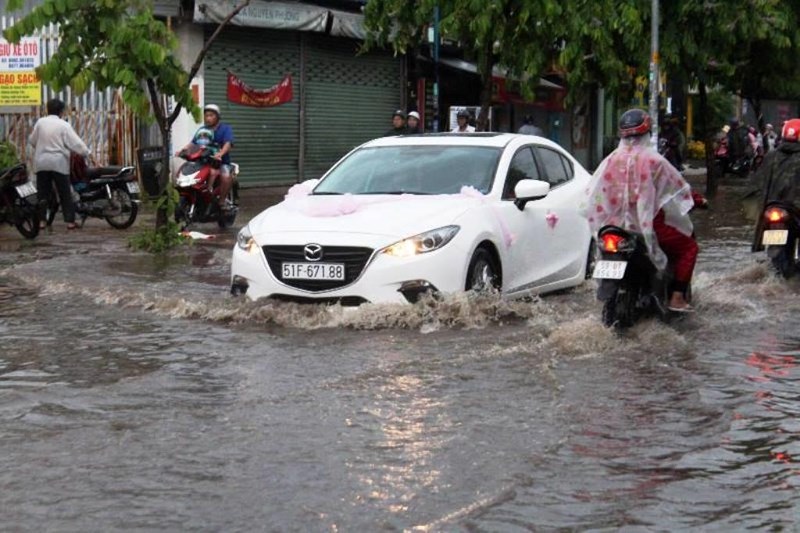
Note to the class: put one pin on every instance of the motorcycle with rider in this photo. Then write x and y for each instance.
(638, 204)
(207, 180)
(778, 182)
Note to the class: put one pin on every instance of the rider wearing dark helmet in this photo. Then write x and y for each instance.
(636, 189)
(462, 118)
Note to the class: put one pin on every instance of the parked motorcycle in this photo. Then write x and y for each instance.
(631, 287)
(110, 193)
(779, 233)
(18, 201)
(197, 203)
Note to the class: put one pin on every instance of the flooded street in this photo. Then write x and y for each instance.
(135, 393)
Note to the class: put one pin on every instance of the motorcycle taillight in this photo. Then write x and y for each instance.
(612, 242)
(776, 214)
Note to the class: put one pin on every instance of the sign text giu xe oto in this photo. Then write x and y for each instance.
(19, 85)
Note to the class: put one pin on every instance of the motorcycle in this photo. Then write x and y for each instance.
(630, 286)
(18, 205)
(110, 193)
(779, 233)
(197, 203)
(721, 159)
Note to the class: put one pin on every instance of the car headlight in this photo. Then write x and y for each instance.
(422, 243)
(244, 239)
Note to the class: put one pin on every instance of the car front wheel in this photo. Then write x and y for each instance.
(483, 273)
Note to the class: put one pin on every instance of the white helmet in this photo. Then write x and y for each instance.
(212, 107)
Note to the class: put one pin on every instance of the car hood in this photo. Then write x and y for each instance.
(395, 216)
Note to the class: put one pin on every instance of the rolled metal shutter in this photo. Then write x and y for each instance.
(267, 139)
(349, 98)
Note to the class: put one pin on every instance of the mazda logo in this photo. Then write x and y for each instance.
(313, 252)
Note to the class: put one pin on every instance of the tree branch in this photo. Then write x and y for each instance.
(202, 55)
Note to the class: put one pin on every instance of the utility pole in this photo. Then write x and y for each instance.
(654, 77)
(436, 117)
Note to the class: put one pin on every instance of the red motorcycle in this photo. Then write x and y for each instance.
(197, 203)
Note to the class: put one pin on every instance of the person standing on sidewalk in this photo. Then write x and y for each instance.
(398, 124)
(412, 124)
(52, 140)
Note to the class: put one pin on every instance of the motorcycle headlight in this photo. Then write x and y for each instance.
(422, 243)
(244, 239)
(187, 181)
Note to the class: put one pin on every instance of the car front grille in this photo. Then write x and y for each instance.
(353, 258)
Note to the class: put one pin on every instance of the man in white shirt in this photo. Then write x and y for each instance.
(462, 117)
(52, 140)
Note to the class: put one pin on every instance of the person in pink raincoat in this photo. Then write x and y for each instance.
(637, 189)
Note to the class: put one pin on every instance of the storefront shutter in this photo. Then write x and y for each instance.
(349, 98)
(267, 139)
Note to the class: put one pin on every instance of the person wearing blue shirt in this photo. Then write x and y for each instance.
(223, 138)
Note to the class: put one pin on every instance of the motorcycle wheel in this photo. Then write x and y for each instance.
(225, 221)
(28, 219)
(128, 209)
(182, 217)
(619, 311)
(783, 263)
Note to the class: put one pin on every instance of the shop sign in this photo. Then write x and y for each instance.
(262, 14)
(19, 84)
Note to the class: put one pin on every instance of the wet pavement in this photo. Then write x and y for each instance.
(136, 394)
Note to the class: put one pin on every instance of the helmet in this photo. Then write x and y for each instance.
(204, 136)
(399, 113)
(634, 123)
(413, 114)
(213, 108)
(791, 130)
(462, 113)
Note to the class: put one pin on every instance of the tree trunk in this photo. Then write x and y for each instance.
(712, 171)
(487, 65)
(162, 213)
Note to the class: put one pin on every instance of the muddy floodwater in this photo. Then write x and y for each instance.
(136, 394)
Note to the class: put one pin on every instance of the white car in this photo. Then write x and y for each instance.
(400, 216)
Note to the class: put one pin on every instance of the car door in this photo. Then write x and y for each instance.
(566, 235)
(523, 231)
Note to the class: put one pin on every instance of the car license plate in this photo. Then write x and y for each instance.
(133, 187)
(322, 271)
(609, 269)
(775, 237)
(26, 189)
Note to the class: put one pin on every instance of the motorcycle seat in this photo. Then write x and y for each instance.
(94, 173)
(12, 169)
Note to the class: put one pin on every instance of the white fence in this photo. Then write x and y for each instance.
(100, 117)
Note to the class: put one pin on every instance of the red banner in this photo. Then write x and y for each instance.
(241, 93)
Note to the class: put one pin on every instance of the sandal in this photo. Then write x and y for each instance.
(72, 225)
(687, 309)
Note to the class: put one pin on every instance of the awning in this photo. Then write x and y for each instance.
(262, 14)
(497, 72)
(283, 16)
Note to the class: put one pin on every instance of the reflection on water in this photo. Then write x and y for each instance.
(137, 394)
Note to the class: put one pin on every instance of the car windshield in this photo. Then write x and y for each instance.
(413, 170)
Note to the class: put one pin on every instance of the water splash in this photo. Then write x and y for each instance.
(463, 310)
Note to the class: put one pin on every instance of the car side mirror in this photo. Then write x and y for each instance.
(528, 190)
